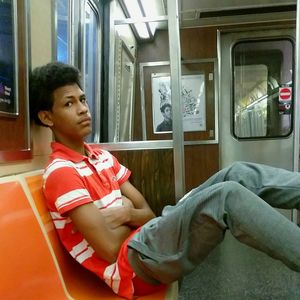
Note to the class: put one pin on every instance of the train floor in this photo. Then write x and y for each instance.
(234, 271)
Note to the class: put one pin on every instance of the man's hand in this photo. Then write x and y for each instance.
(127, 202)
(139, 210)
(116, 216)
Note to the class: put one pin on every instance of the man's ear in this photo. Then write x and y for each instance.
(45, 117)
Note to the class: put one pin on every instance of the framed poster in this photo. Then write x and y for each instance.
(193, 103)
(8, 60)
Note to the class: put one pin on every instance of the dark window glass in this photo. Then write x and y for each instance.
(262, 88)
(91, 64)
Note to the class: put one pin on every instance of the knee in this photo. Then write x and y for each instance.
(233, 189)
(237, 199)
(237, 170)
(237, 166)
(231, 186)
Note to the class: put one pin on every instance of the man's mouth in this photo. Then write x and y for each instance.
(85, 120)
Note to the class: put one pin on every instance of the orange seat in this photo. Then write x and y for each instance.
(80, 283)
(26, 264)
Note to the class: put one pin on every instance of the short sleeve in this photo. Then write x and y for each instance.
(122, 173)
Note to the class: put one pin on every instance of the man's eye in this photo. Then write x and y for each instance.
(68, 104)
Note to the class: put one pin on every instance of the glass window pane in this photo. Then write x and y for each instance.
(91, 60)
(262, 88)
(62, 30)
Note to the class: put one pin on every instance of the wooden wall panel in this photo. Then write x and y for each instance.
(152, 174)
(156, 50)
(201, 161)
(198, 43)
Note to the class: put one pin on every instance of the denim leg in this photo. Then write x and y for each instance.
(278, 187)
(172, 245)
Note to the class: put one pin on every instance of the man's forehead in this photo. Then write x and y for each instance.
(68, 91)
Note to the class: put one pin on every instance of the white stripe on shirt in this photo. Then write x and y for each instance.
(71, 197)
(58, 220)
(83, 245)
(85, 255)
(116, 280)
(57, 164)
(111, 277)
(83, 169)
(105, 162)
(121, 173)
(112, 199)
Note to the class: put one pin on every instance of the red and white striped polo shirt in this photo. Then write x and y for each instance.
(72, 179)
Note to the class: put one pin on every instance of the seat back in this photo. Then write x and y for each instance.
(26, 264)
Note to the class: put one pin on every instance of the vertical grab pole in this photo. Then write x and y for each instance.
(175, 67)
(296, 102)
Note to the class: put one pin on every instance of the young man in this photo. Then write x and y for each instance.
(106, 224)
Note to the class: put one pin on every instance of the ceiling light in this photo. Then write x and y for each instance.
(144, 8)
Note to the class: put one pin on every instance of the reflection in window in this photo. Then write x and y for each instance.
(262, 88)
(91, 63)
(124, 91)
(62, 30)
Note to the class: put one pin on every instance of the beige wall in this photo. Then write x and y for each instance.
(41, 52)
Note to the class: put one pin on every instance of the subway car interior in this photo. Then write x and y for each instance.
(228, 70)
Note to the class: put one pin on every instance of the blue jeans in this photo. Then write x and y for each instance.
(239, 198)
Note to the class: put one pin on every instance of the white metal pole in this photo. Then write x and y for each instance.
(296, 101)
(175, 67)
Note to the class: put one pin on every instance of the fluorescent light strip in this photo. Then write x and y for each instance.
(150, 8)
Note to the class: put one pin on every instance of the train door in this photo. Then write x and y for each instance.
(256, 107)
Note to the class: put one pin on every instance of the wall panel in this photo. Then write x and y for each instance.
(152, 174)
(201, 161)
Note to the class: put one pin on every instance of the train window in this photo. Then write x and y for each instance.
(262, 88)
(141, 48)
(62, 38)
(91, 65)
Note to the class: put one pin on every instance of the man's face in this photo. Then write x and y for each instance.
(70, 117)
(168, 113)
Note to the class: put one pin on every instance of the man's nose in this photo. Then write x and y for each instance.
(83, 108)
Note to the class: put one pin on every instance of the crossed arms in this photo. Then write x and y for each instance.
(106, 230)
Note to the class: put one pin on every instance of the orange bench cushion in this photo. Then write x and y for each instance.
(26, 264)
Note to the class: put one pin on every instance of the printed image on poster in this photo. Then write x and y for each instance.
(193, 103)
(8, 97)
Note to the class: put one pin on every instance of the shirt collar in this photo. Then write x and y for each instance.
(60, 150)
